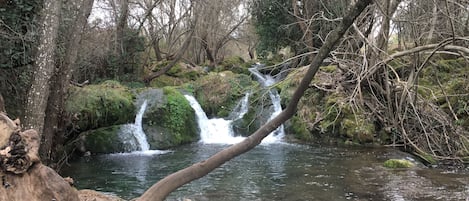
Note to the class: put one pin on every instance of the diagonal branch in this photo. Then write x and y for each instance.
(160, 190)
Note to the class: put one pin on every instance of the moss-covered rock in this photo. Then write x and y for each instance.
(234, 64)
(169, 119)
(259, 112)
(103, 141)
(179, 74)
(398, 163)
(218, 93)
(324, 113)
(95, 106)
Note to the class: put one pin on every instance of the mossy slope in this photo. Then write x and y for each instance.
(100, 105)
(324, 113)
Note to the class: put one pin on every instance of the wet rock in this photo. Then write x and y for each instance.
(102, 141)
(169, 119)
(398, 163)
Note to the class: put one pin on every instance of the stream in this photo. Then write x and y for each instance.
(274, 170)
(278, 171)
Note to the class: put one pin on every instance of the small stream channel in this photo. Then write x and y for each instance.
(278, 171)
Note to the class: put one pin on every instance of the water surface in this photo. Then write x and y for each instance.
(274, 172)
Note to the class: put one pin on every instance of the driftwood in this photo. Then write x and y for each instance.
(24, 177)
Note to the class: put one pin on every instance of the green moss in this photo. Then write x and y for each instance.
(398, 163)
(104, 140)
(179, 74)
(180, 113)
(166, 80)
(101, 105)
(428, 158)
(328, 69)
(235, 64)
(170, 120)
(299, 129)
(218, 93)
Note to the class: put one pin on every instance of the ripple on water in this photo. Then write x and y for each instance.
(277, 172)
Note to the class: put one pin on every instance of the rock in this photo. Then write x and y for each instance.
(218, 93)
(169, 119)
(102, 141)
(398, 163)
(97, 106)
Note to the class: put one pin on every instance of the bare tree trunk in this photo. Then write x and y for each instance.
(55, 109)
(433, 22)
(306, 29)
(155, 41)
(44, 66)
(121, 27)
(160, 190)
(178, 57)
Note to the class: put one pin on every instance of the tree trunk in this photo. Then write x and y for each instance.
(43, 67)
(308, 37)
(121, 27)
(178, 57)
(155, 41)
(160, 190)
(55, 117)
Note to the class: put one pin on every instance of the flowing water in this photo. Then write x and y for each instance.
(275, 170)
(139, 141)
(267, 81)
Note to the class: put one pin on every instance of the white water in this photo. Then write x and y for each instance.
(241, 108)
(213, 131)
(136, 131)
(220, 131)
(267, 81)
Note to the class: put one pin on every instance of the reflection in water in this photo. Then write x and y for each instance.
(274, 172)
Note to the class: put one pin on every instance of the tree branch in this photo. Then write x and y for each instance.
(161, 189)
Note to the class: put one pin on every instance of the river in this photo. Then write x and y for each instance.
(278, 171)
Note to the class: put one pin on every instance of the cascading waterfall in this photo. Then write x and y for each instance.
(267, 81)
(139, 141)
(220, 131)
(241, 108)
(213, 131)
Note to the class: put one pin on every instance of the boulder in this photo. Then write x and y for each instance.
(102, 105)
(218, 93)
(169, 120)
(104, 141)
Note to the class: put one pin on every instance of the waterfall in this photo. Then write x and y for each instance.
(212, 131)
(241, 108)
(267, 81)
(139, 141)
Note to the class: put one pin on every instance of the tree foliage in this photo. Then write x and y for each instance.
(18, 32)
(274, 25)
